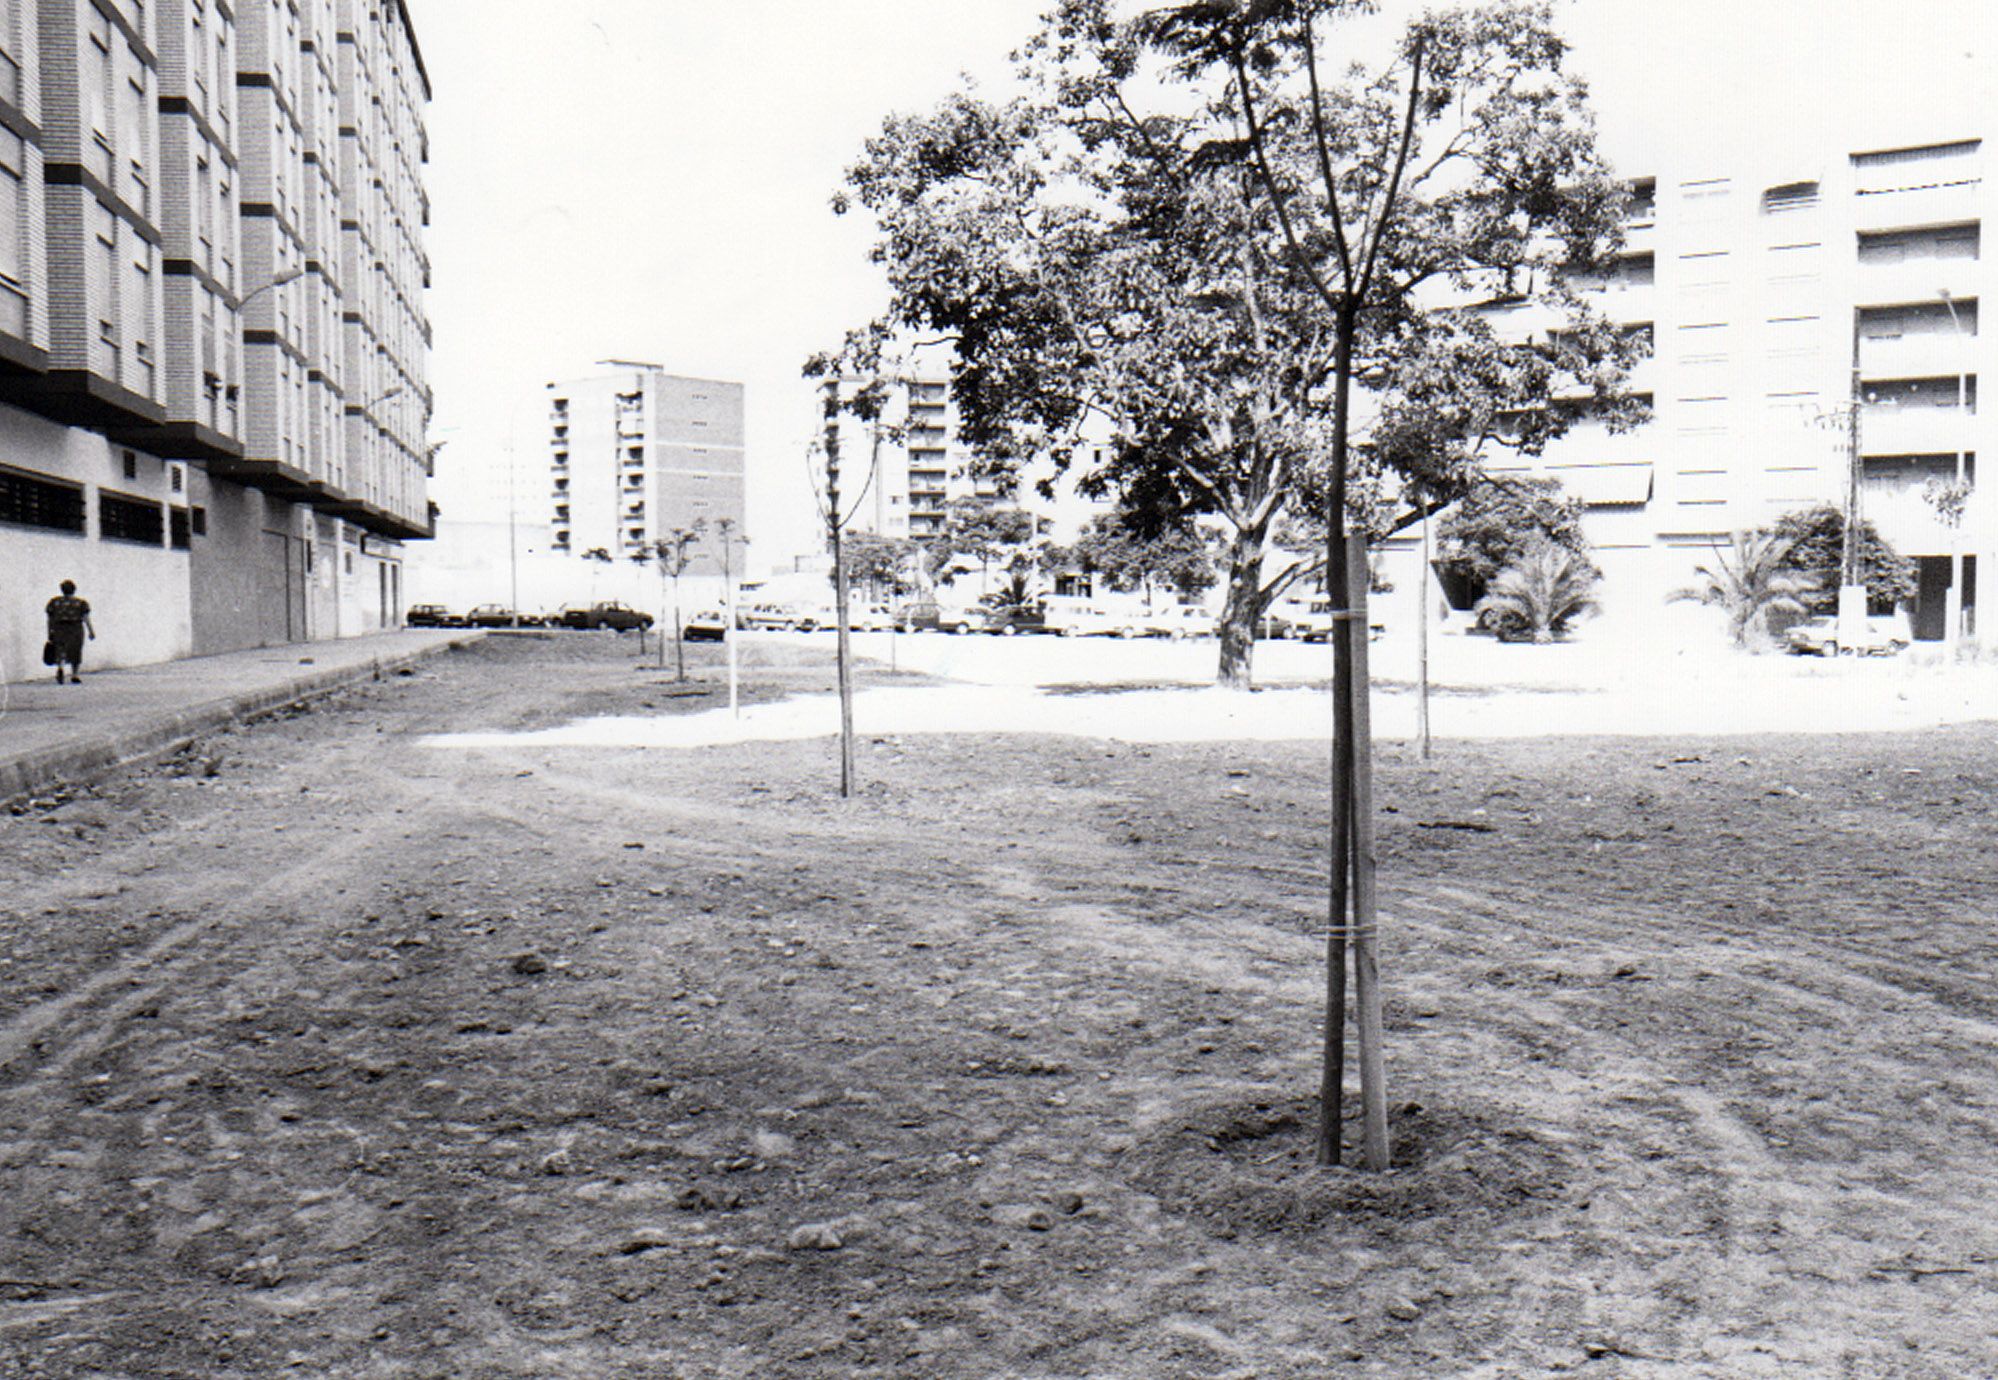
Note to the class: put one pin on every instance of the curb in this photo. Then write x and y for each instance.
(79, 763)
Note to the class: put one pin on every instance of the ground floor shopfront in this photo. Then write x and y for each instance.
(174, 562)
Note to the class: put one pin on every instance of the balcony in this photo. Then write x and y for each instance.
(1926, 355)
(1949, 203)
(1915, 431)
(1919, 281)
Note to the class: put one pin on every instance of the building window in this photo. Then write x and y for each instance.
(1791, 196)
(13, 272)
(197, 521)
(178, 530)
(34, 502)
(129, 519)
(131, 465)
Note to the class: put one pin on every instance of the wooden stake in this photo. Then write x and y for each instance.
(1332, 1073)
(835, 520)
(1422, 644)
(1366, 967)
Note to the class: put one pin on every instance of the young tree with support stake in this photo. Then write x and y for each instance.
(867, 403)
(674, 552)
(1414, 197)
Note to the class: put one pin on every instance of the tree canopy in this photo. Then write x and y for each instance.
(1500, 519)
(1817, 550)
(1106, 257)
(1180, 558)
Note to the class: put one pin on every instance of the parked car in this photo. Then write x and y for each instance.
(704, 625)
(872, 618)
(609, 614)
(1177, 621)
(431, 616)
(1315, 624)
(490, 616)
(1007, 620)
(1819, 636)
(769, 617)
(1273, 626)
(920, 615)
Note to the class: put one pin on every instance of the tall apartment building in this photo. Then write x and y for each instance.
(212, 343)
(922, 466)
(636, 453)
(1779, 298)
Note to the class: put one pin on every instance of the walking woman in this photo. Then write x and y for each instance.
(69, 624)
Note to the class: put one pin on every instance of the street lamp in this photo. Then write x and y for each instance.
(1953, 596)
(290, 275)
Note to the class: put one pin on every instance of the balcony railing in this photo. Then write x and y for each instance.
(1920, 281)
(1915, 431)
(1922, 356)
(1945, 204)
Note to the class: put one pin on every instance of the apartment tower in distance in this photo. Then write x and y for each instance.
(636, 453)
(1780, 297)
(212, 343)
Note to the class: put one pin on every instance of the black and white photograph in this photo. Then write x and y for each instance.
(996, 690)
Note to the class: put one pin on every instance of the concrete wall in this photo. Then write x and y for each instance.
(137, 592)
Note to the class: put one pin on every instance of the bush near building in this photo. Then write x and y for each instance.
(1497, 525)
(1817, 550)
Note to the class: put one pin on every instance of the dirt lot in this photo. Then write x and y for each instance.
(324, 1052)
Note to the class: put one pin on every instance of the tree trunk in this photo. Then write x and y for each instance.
(1241, 607)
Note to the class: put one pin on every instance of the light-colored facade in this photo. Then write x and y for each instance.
(636, 454)
(212, 349)
(1777, 298)
(904, 487)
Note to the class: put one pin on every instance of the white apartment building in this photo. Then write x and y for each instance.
(1779, 298)
(636, 453)
(212, 343)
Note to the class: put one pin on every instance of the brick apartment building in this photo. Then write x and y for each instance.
(212, 342)
(1777, 297)
(635, 453)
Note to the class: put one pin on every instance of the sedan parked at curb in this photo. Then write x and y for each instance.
(610, 614)
(1820, 636)
(491, 616)
(704, 625)
(431, 616)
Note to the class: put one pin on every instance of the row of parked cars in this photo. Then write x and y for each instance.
(607, 614)
(1065, 620)
(1309, 623)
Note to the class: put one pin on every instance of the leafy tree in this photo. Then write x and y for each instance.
(674, 551)
(987, 531)
(1753, 583)
(1817, 551)
(1097, 251)
(881, 563)
(1114, 548)
(1500, 519)
(1540, 595)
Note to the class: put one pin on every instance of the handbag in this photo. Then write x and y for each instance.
(49, 654)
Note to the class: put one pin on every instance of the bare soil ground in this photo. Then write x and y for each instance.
(326, 1053)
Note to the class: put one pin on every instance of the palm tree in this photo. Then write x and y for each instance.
(1750, 581)
(1541, 593)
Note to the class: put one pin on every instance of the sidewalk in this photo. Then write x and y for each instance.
(51, 733)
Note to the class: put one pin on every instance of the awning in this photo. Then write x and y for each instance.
(1605, 486)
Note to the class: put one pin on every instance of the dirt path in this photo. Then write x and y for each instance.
(324, 1052)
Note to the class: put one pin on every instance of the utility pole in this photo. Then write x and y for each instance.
(1852, 588)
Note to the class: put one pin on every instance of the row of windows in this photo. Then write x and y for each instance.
(30, 501)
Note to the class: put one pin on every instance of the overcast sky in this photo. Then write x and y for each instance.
(649, 179)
